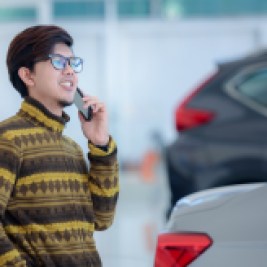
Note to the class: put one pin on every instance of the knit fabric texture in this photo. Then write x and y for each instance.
(51, 202)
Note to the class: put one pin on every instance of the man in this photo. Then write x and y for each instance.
(50, 204)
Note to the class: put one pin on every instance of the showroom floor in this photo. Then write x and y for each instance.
(131, 240)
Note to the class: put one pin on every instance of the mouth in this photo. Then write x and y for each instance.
(67, 84)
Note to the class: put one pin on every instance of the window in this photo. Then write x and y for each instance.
(79, 9)
(213, 8)
(254, 86)
(18, 14)
(133, 8)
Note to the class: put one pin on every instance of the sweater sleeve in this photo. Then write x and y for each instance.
(103, 183)
(9, 164)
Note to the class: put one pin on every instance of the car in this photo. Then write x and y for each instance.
(222, 130)
(220, 227)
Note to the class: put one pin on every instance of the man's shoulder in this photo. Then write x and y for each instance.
(13, 123)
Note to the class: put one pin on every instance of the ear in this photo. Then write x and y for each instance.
(26, 76)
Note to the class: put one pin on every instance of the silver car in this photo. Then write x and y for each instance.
(219, 227)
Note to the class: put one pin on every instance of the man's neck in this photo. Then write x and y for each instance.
(53, 106)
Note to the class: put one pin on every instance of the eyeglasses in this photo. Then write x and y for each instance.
(59, 62)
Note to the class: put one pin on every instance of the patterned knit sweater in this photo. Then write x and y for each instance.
(50, 204)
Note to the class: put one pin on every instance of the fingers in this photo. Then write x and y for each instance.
(82, 119)
(94, 102)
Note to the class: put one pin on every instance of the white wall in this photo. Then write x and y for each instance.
(143, 69)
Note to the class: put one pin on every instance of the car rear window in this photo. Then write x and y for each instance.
(254, 86)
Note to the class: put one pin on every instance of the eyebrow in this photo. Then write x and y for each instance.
(57, 54)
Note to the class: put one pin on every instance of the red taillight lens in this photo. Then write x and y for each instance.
(186, 117)
(178, 250)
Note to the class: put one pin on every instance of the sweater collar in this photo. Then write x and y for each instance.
(40, 115)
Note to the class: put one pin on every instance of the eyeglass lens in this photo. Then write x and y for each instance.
(60, 62)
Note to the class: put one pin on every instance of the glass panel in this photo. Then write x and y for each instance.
(207, 8)
(79, 9)
(18, 14)
(133, 8)
(254, 86)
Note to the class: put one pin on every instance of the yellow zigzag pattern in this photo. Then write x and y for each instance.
(51, 176)
(9, 256)
(8, 175)
(53, 227)
(14, 133)
(103, 192)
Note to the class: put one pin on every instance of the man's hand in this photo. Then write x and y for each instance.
(95, 130)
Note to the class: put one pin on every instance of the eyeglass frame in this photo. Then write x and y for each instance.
(66, 59)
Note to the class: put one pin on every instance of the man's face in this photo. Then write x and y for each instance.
(52, 87)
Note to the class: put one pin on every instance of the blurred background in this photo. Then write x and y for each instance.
(141, 57)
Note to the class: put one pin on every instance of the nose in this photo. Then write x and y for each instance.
(68, 69)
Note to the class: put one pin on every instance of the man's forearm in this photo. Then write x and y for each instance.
(104, 187)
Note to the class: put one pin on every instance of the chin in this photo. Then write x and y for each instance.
(65, 103)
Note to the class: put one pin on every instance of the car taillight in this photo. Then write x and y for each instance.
(179, 250)
(187, 117)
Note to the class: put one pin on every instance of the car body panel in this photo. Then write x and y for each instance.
(235, 217)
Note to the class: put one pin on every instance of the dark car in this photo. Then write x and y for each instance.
(222, 130)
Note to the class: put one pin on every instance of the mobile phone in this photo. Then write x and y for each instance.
(87, 113)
